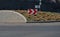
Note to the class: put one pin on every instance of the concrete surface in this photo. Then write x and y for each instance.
(11, 16)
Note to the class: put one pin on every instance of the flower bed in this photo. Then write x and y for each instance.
(41, 16)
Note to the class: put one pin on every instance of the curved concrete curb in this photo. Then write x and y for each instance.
(25, 20)
(44, 21)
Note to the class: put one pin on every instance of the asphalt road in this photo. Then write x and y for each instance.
(30, 30)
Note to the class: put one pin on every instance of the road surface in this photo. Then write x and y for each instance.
(30, 30)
